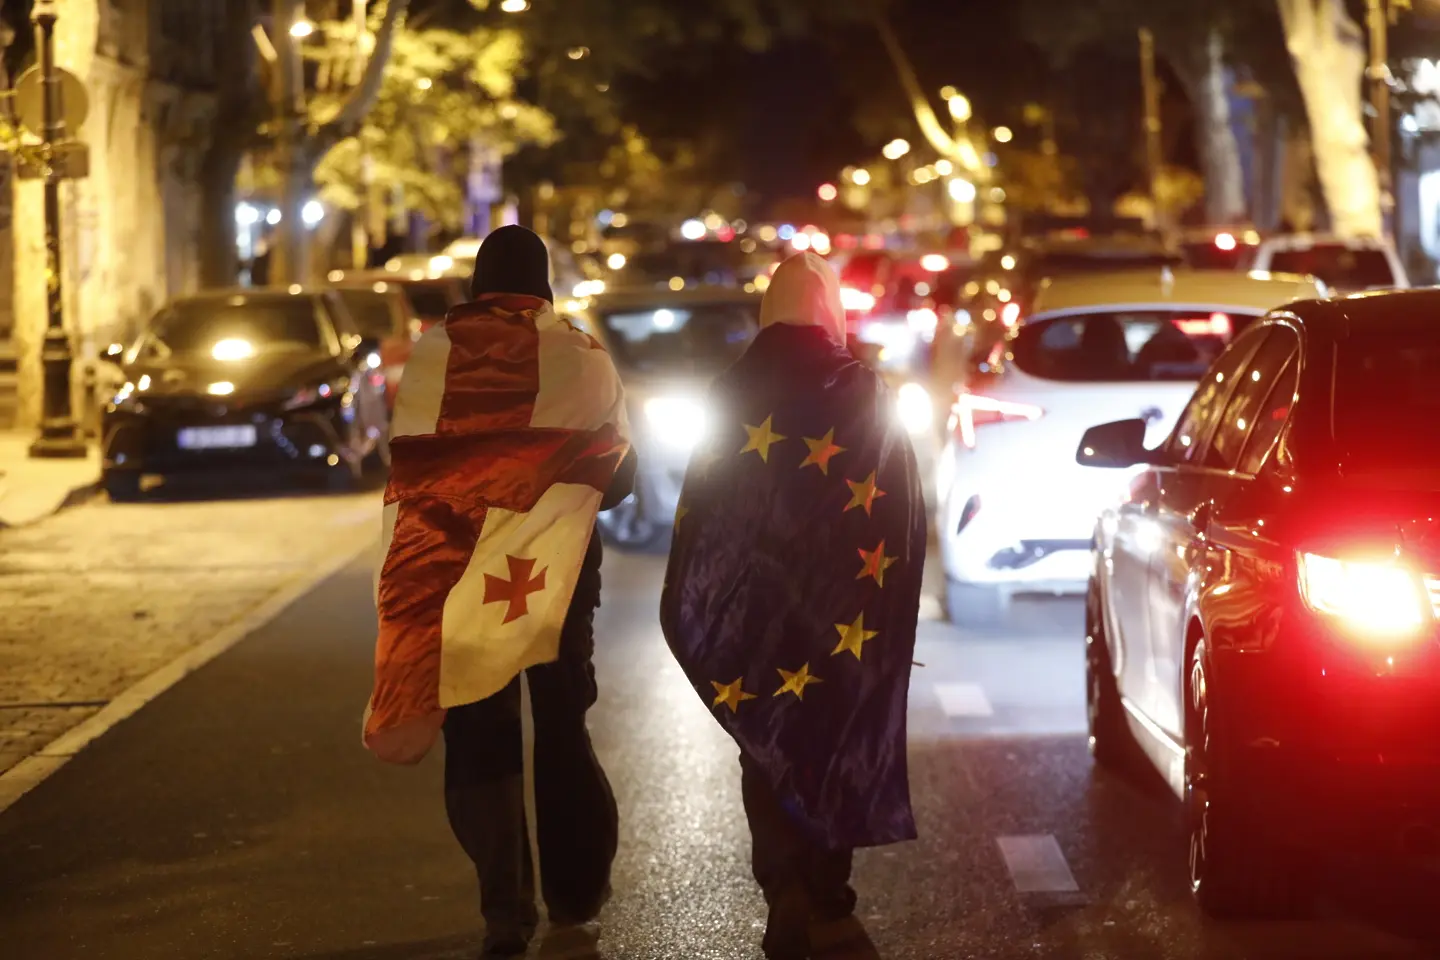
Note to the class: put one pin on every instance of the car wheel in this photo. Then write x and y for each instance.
(627, 526)
(1111, 742)
(122, 487)
(1236, 870)
(976, 604)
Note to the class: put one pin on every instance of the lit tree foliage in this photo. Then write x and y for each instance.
(444, 91)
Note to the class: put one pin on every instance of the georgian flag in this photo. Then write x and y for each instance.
(508, 429)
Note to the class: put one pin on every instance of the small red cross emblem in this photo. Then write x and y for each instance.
(515, 591)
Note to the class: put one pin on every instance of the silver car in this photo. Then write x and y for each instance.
(667, 346)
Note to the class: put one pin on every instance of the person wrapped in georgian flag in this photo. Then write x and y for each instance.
(509, 435)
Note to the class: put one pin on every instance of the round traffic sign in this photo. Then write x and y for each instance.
(30, 101)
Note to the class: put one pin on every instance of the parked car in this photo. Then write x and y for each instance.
(383, 314)
(1015, 512)
(1220, 248)
(1263, 605)
(275, 381)
(1346, 265)
(431, 295)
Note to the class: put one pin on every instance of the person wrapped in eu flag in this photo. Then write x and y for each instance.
(792, 595)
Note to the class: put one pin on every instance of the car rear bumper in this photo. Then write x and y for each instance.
(1336, 747)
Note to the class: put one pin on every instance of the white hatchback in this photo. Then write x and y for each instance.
(1015, 511)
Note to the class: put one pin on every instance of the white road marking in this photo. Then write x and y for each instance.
(33, 770)
(963, 700)
(1036, 864)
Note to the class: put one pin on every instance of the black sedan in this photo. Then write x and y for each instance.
(268, 380)
(1262, 615)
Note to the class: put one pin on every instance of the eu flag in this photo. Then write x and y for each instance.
(794, 581)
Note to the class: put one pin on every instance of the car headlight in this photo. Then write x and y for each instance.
(1374, 598)
(677, 422)
(914, 408)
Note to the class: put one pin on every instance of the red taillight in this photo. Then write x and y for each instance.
(973, 410)
(1215, 325)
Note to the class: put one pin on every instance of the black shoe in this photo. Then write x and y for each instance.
(560, 917)
(507, 941)
(787, 929)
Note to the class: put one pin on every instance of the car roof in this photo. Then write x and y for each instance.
(1178, 287)
(246, 294)
(1372, 311)
(1304, 241)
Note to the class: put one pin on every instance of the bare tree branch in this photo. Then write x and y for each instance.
(348, 121)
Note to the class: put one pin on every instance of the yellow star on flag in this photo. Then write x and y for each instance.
(796, 682)
(761, 438)
(863, 494)
(821, 451)
(876, 563)
(853, 637)
(730, 694)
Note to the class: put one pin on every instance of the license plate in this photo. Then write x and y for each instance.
(216, 438)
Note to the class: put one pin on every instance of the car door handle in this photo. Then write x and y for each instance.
(1151, 414)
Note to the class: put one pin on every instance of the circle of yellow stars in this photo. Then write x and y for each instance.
(760, 438)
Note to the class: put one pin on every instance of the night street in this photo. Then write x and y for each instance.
(237, 816)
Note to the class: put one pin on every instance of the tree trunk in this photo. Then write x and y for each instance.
(1204, 76)
(219, 263)
(1327, 48)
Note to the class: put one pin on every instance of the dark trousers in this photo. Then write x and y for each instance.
(789, 866)
(577, 822)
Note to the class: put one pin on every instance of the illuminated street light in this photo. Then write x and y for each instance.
(616, 261)
(514, 6)
(1004, 135)
(861, 177)
(301, 29)
(959, 107)
(961, 191)
(944, 167)
(312, 213)
(895, 149)
(827, 192)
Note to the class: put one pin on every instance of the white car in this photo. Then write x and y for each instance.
(1346, 265)
(1015, 512)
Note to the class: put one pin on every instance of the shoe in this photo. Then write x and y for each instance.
(507, 941)
(570, 942)
(787, 929)
(561, 918)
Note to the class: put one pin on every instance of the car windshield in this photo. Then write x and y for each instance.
(702, 338)
(1125, 345)
(265, 324)
(371, 312)
(1338, 265)
(1387, 401)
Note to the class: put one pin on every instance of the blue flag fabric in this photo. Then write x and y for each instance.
(793, 587)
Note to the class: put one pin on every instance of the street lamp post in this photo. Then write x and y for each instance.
(59, 432)
(1378, 73)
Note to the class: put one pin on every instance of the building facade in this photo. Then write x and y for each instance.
(130, 229)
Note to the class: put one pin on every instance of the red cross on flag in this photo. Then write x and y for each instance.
(506, 433)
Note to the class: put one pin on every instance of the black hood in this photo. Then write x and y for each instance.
(267, 375)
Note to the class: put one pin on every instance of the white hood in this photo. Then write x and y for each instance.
(805, 292)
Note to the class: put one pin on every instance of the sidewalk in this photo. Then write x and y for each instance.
(102, 596)
(32, 488)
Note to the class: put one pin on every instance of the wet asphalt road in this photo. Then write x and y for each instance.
(238, 817)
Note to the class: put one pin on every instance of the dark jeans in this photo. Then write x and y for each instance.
(577, 822)
(788, 864)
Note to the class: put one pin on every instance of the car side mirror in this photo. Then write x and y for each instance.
(1118, 444)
